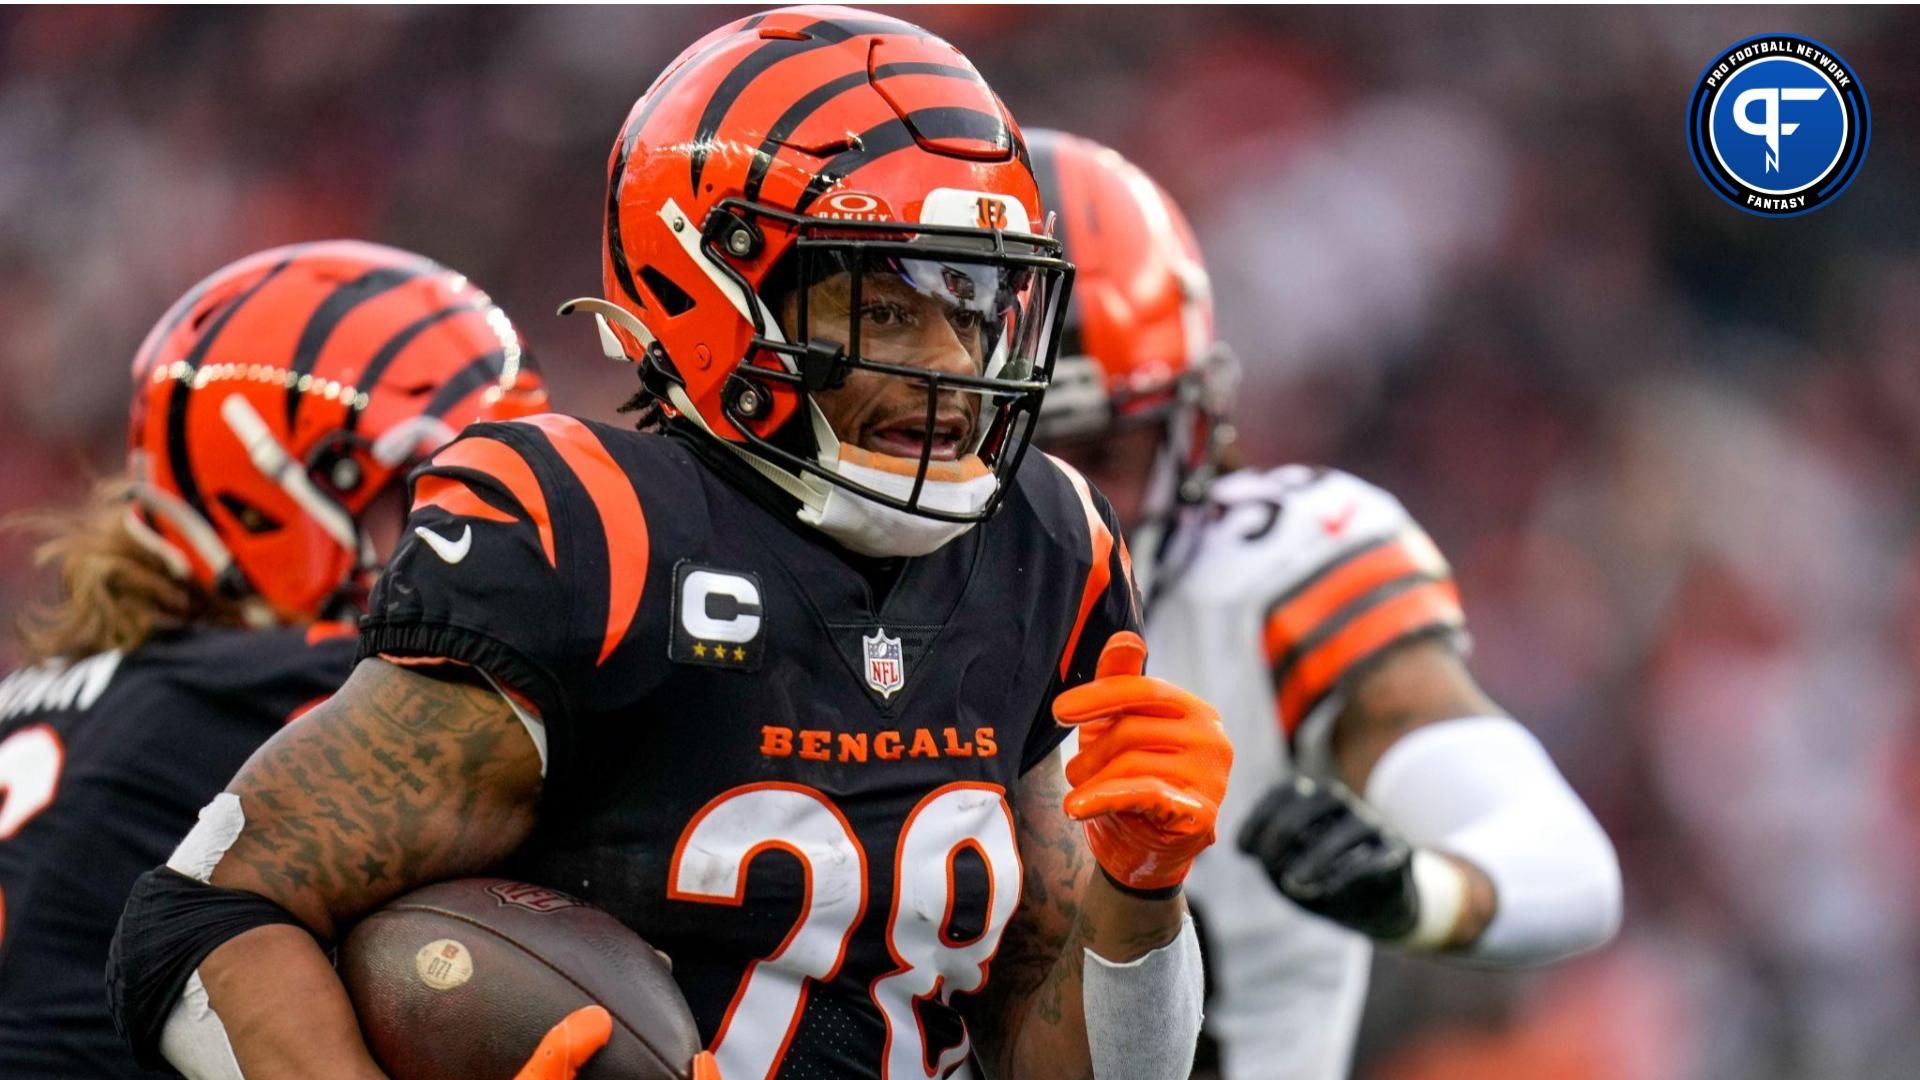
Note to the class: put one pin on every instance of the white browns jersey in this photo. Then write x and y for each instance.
(1291, 580)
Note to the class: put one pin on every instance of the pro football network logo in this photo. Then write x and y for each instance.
(1778, 125)
(886, 663)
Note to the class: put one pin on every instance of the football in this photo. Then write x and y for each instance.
(459, 981)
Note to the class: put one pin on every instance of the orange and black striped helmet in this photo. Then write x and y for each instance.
(278, 397)
(1138, 346)
(795, 145)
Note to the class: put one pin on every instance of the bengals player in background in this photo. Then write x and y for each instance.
(775, 679)
(1378, 795)
(275, 409)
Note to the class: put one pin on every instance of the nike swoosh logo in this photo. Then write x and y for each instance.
(450, 550)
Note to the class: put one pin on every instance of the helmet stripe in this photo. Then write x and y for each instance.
(946, 122)
(333, 310)
(822, 34)
(811, 103)
(477, 373)
(178, 461)
(377, 366)
(616, 250)
(169, 323)
(735, 83)
(851, 28)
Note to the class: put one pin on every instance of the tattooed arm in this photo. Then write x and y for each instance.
(1030, 1020)
(397, 781)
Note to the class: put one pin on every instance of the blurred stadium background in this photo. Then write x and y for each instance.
(1671, 448)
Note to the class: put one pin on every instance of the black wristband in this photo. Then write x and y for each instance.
(1165, 893)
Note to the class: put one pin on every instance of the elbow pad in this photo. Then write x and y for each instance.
(1485, 790)
(170, 924)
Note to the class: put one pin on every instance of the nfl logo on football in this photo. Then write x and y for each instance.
(886, 670)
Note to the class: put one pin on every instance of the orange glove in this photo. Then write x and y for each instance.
(705, 1067)
(568, 1045)
(1151, 770)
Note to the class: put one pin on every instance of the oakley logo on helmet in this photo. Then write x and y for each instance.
(1778, 125)
(854, 206)
(718, 618)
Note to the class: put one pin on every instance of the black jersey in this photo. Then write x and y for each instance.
(786, 767)
(104, 765)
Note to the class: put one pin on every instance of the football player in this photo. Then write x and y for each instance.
(775, 680)
(275, 409)
(1378, 794)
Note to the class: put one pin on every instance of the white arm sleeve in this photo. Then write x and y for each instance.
(1485, 790)
(1165, 986)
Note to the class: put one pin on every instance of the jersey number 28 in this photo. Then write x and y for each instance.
(710, 866)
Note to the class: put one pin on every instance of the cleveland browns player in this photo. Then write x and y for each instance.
(275, 408)
(780, 679)
(1375, 786)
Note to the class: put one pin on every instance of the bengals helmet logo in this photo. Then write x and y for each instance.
(991, 213)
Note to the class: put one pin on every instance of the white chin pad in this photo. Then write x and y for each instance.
(866, 527)
(219, 826)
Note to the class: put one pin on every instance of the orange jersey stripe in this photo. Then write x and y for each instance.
(1427, 606)
(621, 518)
(1296, 616)
(504, 464)
(1100, 575)
(456, 498)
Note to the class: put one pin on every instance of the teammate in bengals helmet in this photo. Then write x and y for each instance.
(1375, 785)
(275, 408)
(778, 675)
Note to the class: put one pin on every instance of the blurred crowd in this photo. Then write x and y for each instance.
(1670, 447)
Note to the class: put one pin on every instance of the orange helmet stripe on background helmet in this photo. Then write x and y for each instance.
(280, 395)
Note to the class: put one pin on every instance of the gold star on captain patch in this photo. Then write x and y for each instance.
(699, 649)
(739, 653)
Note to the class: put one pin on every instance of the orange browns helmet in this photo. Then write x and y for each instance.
(1138, 346)
(792, 146)
(278, 397)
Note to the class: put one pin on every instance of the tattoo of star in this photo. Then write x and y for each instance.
(374, 869)
(425, 753)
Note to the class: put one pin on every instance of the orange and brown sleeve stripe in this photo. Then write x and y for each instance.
(1377, 595)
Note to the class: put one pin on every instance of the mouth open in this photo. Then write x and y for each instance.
(906, 437)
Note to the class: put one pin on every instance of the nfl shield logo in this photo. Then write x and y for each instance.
(886, 665)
